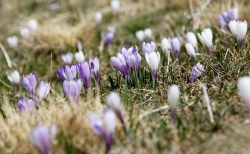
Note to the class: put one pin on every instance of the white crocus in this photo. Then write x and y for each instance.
(148, 33)
(165, 46)
(13, 42)
(114, 101)
(98, 18)
(115, 5)
(14, 77)
(206, 37)
(153, 60)
(190, 50)
(140, 35)
(79, 56)
(173, 96)
(67, 58)
(244, 90)
(109, 119)
(191, 38)
(239, 29)
(25, 33)
(32, 24)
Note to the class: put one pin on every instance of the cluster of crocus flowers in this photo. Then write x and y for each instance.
(142, 34)
(41, 137)
(244, 90)
(173, 99)
(206, 37)
(127, 61)
(225, 17)
(196, 72)
(104, 127)
(14, 77)
(29, 83)
(239, 29)
(152, 57)
(13, 42)
(114, 102)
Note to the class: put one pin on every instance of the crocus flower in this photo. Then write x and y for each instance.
(67, 58)
(173, 99)
(72, 89)
(153, 60)
(54, 6)
(42, 91)
(60, 71)
(25, 105)
(132, 58)
(225, 17)
(114, 102)
(41, 137)
(206, 37)
(13, 42)
(79, 56)
(98, 18)
(79, 45)
(148, 33)
(111, 29)
(84, 72)
(115, 5)
(191, 38)
(32, 24)
(175, 44)
(140, 35)
(120, 64)
(69, 72)
(196, 72)
(94, 68)
(29, 83)
(244, 89)
(239, 29)
(190, 50)
(25, 33)
(105, 127)
(148, 47)
(14, 77)
(165, 46)
(108, 37)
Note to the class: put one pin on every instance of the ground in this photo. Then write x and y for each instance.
(58, 32)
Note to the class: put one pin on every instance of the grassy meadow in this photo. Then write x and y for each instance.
(58, 32)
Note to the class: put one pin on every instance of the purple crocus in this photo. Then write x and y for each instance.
(29, 83)
(84, 72)
(41, 137)
(105, 127)
(225, 17)
(25, 105)
(175, 44)
(108, 37)
(72, 89)
(94, 68)
(42, 91)
(132, 58)
(67, 73)
(196, 72)
(120, 64)
(148, 47)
